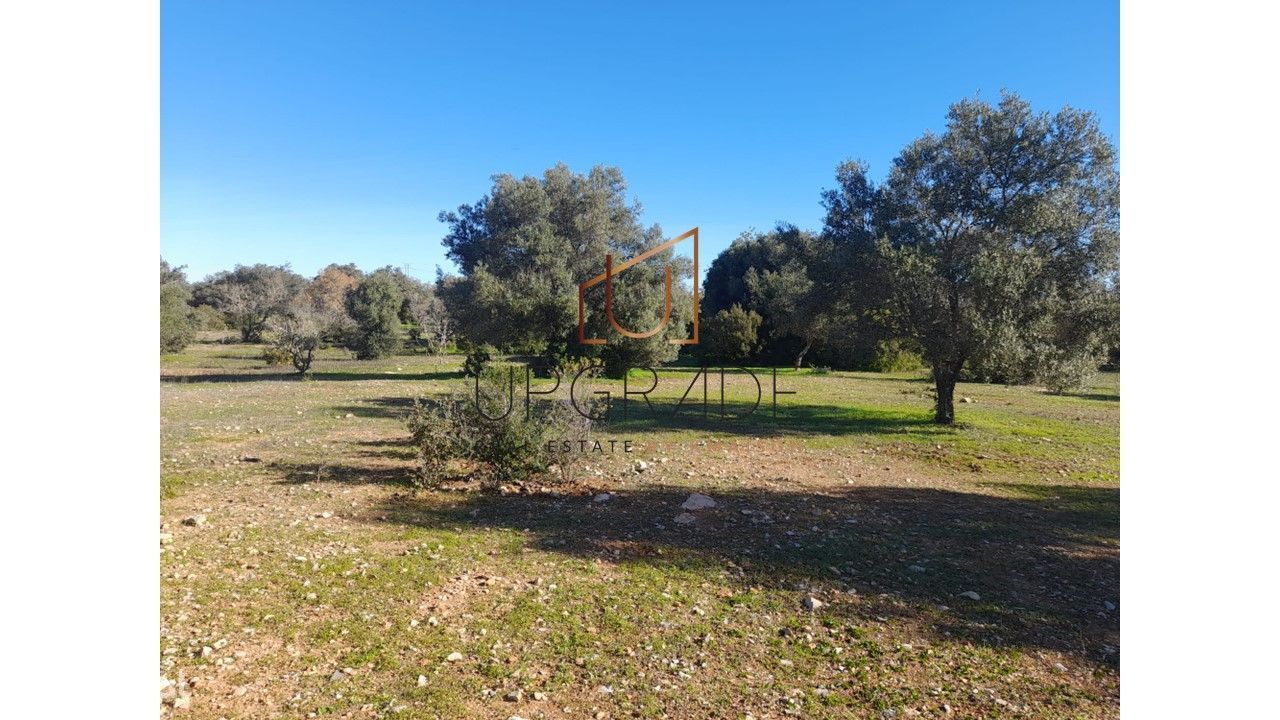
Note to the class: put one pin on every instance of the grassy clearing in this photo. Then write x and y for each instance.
(322, 587)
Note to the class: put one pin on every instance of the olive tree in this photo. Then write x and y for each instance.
(995, 242)
(524, 248)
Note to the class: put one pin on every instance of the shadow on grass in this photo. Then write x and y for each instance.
(1044, 563)
(789, 420)
(1105, 397)
(340, 473)
(239, 377)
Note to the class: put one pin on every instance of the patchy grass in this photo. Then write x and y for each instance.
(323, 587)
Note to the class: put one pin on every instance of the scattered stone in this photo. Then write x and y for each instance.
(1060, 667)
(182, 702)
(166, 538)
(195, 521)
(337, 676)
(422, 681)
(640, 466)
(785, 662)
(685, 519)
(966, 399)
(1109, 605)
(349, 415)
(513, 696)
(698, 501)
(603, 497)
(539, 696)
(454, 657)
(916, 568)
(971, 595)
(812, 603)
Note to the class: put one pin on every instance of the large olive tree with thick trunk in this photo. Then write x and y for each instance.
(995, 242)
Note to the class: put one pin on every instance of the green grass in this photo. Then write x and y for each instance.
(559, 595)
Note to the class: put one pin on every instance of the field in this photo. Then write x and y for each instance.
(859, 561)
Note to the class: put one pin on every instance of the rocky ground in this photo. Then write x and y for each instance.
(854, 562)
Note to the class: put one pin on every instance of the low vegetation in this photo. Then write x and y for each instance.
(859, 560)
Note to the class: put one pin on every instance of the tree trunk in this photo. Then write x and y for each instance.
(944, 381)
(800, 357)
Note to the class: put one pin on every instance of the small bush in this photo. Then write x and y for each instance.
(1063, 371)
(177, 325)
(208, 319)
(499, 448)
(731, 336)
(275, 355)
(896, 355)
(477, 360)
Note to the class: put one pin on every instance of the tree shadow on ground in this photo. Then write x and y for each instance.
(1044, 563)
(787, 421)
(341, 473)
(240, 377)
(386, 408)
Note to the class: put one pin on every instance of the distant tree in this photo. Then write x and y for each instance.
(524, 248)
(177, 322)
(250, 295)
(730, 336)
(430, 326)
(299, 332)
(375, 307)
(784, 277)
(997, 242)
(327, 296)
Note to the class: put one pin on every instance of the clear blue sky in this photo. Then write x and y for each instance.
(317, 132)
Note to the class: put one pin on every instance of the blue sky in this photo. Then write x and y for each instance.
(317, 132)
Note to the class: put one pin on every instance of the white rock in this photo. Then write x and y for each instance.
(698, 501)
(640, 466)
(812, 603)
(603, 497)
(195, 521)
(971, 595)
(454, 657)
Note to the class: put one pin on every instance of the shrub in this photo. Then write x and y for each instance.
(1062, 371)
(274, 355)
(177, 327)
(375, 307)
(206, 318)
(896, 355)
(731, 336)
(500, 448)
(478, 359)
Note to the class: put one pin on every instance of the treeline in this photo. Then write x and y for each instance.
(990, 252)
(342, 306)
